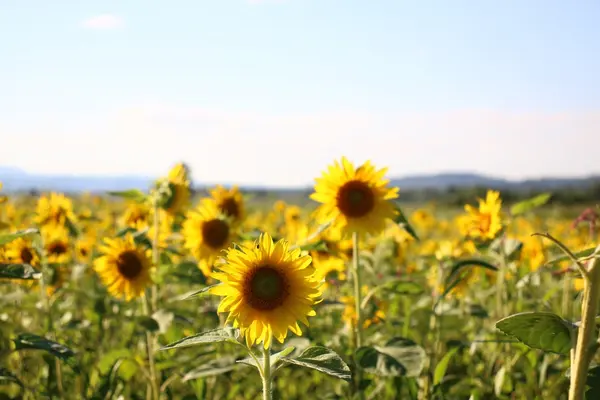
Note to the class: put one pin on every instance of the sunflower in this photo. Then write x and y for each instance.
(21, 251)
(206, 233)
(54, 210)
(2, 197)
(533, 252)
(267, 290)
(230, 202)
(179, 184)
(85, 246)
(483, 222)
(356, 199)
(135, 214)
(56, 244)
(124, 268)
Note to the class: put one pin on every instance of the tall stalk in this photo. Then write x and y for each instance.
(357, 305)
(266, 375)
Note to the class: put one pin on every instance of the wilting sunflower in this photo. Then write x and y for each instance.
(356, 199)
(179, 185)
(57, 245)
(267, 290)
(483, 222)
(54, 210)
(124, 268)
(206, 234)
(230, 202)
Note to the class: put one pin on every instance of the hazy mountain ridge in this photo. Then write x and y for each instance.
(15, 179)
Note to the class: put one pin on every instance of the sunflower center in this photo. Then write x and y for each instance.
(485, 222)
(129, 264)
(355, 199)
(57, 248)
(215, 233)
(26, 255)
(267, 288)
(230, 207)
(332, 276)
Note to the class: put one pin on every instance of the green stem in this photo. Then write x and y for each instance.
(50, 320)
(357, 304)
(591, 295)
(150, 305)
(266, 375)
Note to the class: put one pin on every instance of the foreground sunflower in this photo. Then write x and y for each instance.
(356, 199)
(124, 267)
(267, 290)
(206, 234)
(230, 202)
(483, 222)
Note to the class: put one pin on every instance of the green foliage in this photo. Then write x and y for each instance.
(19, 271)
(528, 205)
(134, 195)
(323, 360)
(398, 357)
(540, 330)
(9, 237)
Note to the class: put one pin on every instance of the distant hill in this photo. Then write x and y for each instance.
(15, 179)
(467, 180)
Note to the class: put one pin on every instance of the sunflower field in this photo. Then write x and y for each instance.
(168, 294)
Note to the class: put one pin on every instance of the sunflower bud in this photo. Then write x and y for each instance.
(164, 193)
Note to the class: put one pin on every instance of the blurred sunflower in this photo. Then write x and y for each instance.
(206, 232)
(355, 199)
(374, 314)
(230, 202)
(124, 268)
(54, 210)
(21, 251)
(56, 244)
(85, 246)
(3, 198)
(267, 290)
(135, 214)
(483, 222)
(179, 185)
(532, 252)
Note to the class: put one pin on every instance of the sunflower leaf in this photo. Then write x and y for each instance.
(9, 237)
(74, 232)
(147, 323)
(525, 206)
(402, 221)
(30, 341)
(131, 194)
(456, 275)
(442, 366)
(399, 357)
(229, 335)
(320, 246)
(8, 377)
(540, 330)
(19, 271)
(323, 360)
(275, 358)
(195, 293)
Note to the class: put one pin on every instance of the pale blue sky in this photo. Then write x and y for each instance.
(270, 92)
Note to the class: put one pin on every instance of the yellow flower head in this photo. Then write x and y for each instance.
(57, 244)
(267, 289)
(21, 251)
(356, 199)
(483, 222)
(135, 214)
(206, 234)
(230, 202)
(54, 210)
(124, 267)
(179, 184)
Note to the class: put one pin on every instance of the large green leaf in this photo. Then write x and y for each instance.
(399, 357)
(593, 383)
(9, 237)
(540, 330)
(323, 360)
(26, 341)
(19, 271)
(525, 206)
(229, 335)
(457, 273)
(402, 221)
(132, 194)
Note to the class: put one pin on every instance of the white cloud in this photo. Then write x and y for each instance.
(104, 21)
